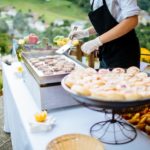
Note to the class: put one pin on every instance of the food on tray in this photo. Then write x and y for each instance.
(118, 70)
(141, 120)
(52, 65)
(133, 70)
(41, 117)
(110, 95)
(115, 85)
(81, 90)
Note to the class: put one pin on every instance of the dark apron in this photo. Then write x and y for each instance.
(121, 52)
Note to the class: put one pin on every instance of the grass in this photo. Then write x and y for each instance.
(53, 9)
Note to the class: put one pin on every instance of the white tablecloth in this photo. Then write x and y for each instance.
(19, 107)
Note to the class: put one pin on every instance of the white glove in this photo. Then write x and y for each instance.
(79, 34)
(91, 46)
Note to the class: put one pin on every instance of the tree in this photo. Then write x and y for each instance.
(3, 26)
(144, 4)
(5, 43)
(84, 4)
(143, 33)
(19, 22)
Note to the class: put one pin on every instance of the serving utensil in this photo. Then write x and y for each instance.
(67, 46)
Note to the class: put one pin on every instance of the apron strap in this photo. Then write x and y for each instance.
(104, 2)
(92, 5)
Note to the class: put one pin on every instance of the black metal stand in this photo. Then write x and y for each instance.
(113, 131)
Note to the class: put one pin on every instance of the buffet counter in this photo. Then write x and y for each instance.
(20, 107)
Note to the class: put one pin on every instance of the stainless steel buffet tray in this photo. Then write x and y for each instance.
(46, 80)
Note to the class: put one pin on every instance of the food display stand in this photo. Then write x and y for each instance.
(20, 106)
(46, 89)
(114, 125)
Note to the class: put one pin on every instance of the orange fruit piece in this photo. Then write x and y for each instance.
(41, 117)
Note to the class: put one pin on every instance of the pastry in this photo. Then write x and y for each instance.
(118, 70)
(141, 75)
(107, 95)
(133, 70)
(103, 71)
(80, 90)
(115, 85)
(90, 71)
(132, 95)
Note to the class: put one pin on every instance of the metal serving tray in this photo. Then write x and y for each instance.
(44, 80)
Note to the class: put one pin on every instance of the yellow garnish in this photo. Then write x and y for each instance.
(20, 69)
(62, 42)
(41, 117)
(75, 42)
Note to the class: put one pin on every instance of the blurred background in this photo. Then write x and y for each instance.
(50, 18)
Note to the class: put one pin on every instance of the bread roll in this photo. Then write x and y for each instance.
(132, 95)
(118, 70)
(141, 75)
(107, 95)
(103, 71)
(81, 90)
(69, 82)
(90, 71)
(133, 70)
(111, 85)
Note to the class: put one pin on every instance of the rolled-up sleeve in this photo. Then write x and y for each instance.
(128, 8)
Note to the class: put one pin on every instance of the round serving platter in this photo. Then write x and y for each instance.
(109, 106)
(120, 131)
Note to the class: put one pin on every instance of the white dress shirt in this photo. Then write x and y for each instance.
(120, 9)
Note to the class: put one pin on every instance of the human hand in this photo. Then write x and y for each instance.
(79, 34)
(91, 46)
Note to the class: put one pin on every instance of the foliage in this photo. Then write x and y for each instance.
(144, 4)
(51, 10)
(143, 33)
(83, 4)
(53, 31)
(5, 43)
(3, 26)
(19, 21)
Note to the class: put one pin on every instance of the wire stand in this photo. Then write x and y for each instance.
(114, 130)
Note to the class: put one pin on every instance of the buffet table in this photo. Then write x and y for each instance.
(19, 108)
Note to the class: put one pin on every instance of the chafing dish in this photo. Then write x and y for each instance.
(46, 89)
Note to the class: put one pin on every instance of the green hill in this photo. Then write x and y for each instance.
(52, 9)
(144, 4)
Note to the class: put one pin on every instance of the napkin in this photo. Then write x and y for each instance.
(45, 126)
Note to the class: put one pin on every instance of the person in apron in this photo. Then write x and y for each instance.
(117, 42)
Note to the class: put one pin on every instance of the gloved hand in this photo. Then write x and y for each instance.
(91, 46)
(79, 34)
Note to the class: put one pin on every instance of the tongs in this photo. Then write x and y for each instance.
(66, 47)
